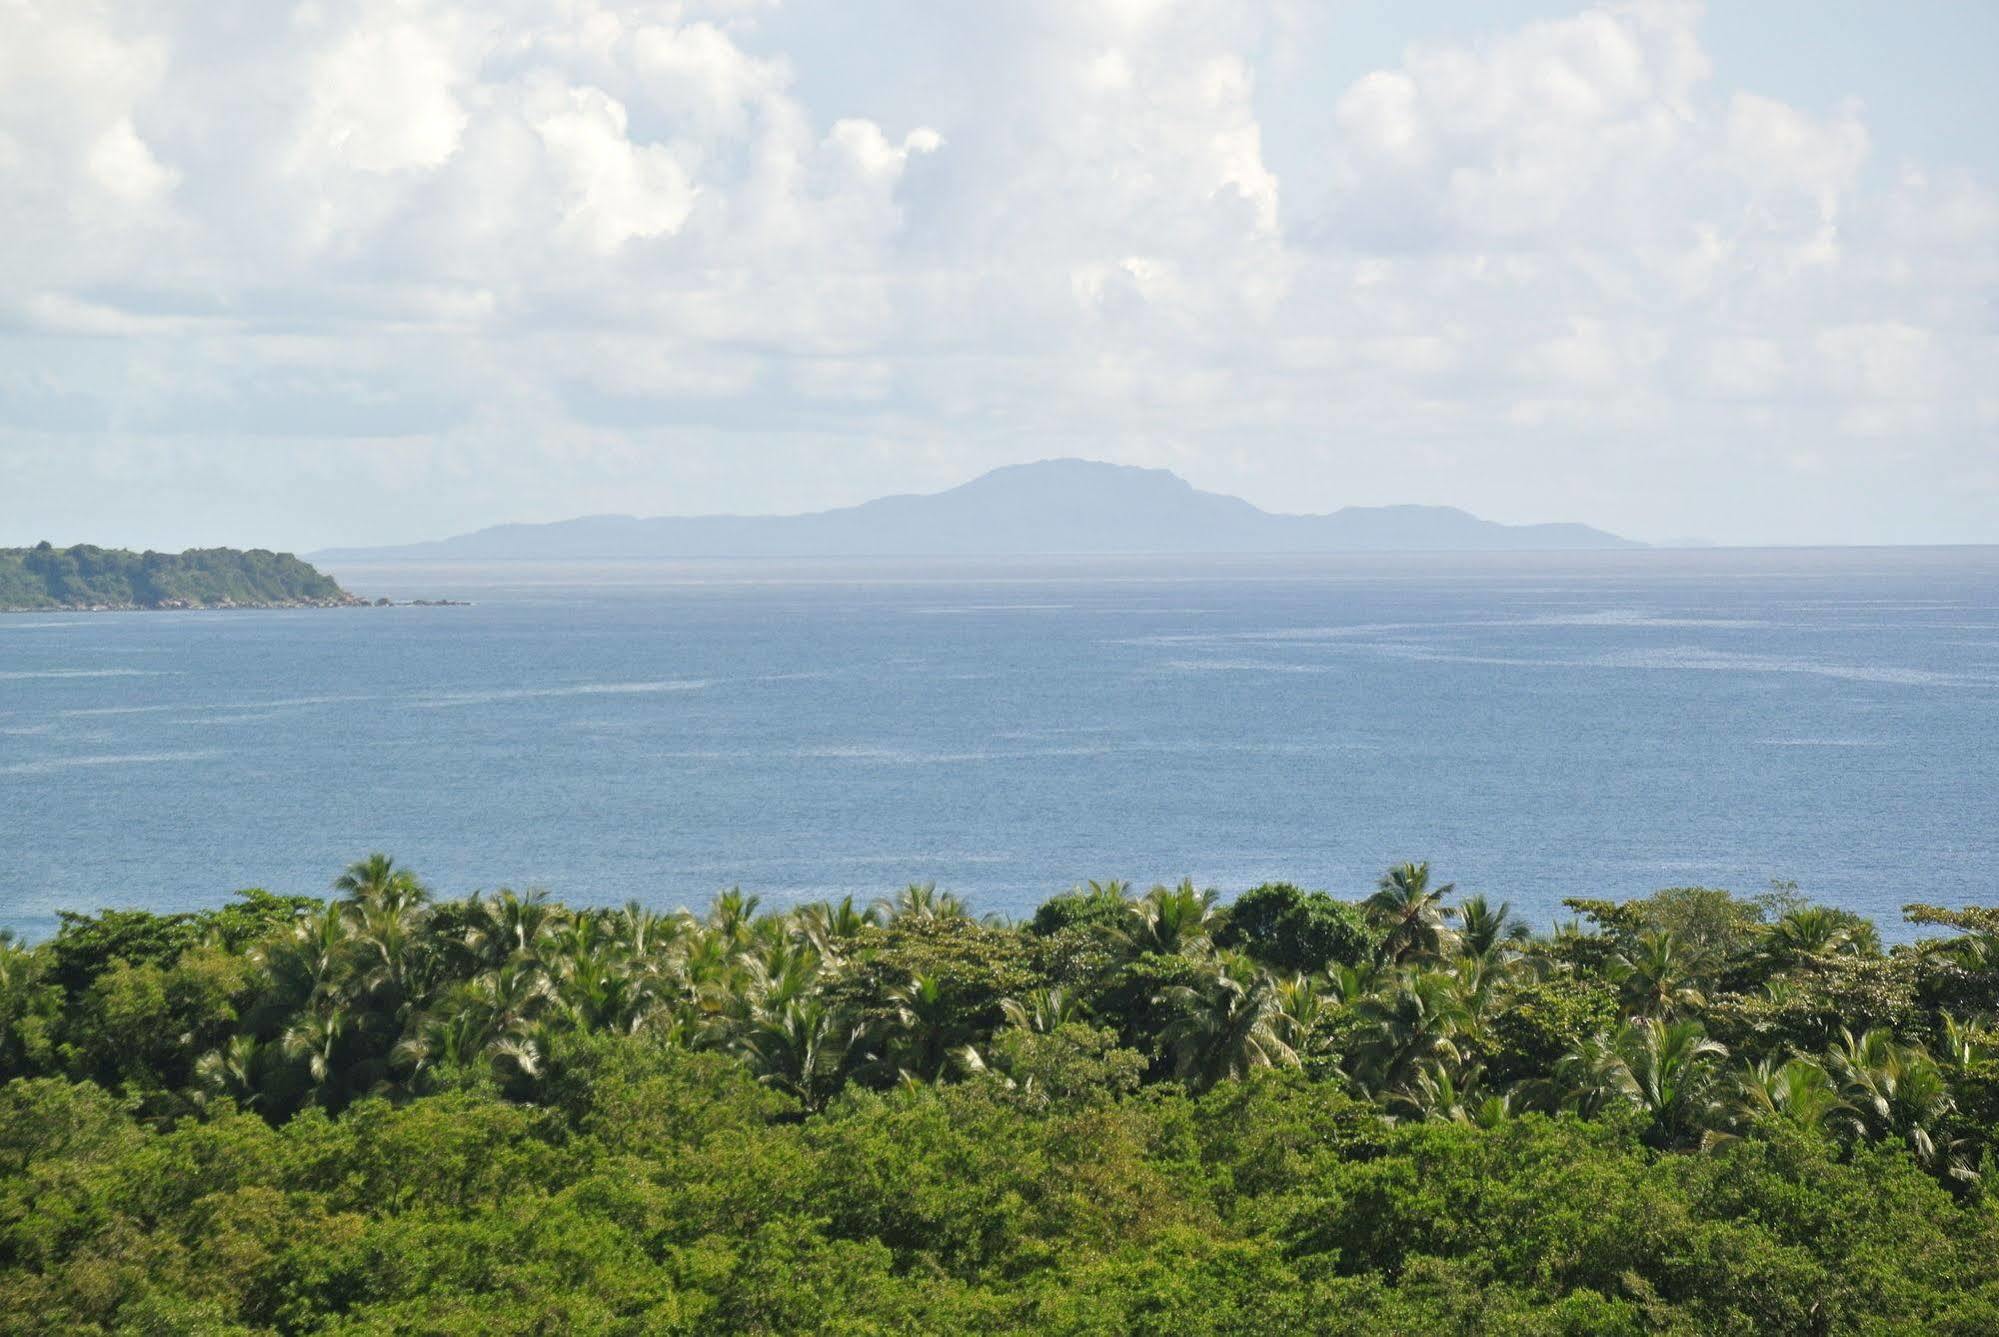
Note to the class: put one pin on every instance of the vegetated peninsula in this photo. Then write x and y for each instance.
(1147, 1113)
(1053, 507)
(87, 577)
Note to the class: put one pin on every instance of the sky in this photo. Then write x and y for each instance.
(344, 272)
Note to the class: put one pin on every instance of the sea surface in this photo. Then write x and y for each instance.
(1540, 726)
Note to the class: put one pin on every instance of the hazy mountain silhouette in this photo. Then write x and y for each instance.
(1050, 507)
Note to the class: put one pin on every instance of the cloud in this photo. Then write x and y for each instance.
(551, 256)
(382, 95)
(83, 183)
(612, 190)
(1645, 247)
(123, 166)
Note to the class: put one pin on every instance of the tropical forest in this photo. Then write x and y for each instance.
(48, 578)
(1161, 1111)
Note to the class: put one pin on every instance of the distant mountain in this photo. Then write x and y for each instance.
(48, 577)
(1051, 507)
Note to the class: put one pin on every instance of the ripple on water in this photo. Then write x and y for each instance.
(24, 675)
(448, 699)
(46, 765)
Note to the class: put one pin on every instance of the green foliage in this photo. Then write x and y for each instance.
(1544, 1019)
(1103, 903)
(31, 1009)
(1227, 1024)
(637, 1092)
(1291, 929)
(1712, 928)
(384, 1113)
(1410, 915)
(85, 577)
(1757, 1238)
(146, 1024)
(1068, 1063)
(1133, 997)
(1804, 1007)
(86, 945)
(929, 985)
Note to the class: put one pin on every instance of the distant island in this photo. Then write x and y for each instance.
(46, 577)
(1047, 508)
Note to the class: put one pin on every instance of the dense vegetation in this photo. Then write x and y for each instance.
(87, 577)
(1149, 1113)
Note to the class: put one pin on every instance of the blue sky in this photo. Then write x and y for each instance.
(358, 271)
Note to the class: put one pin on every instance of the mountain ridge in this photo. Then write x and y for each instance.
(1044, 508)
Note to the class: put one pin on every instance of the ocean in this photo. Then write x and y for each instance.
(1536, 726)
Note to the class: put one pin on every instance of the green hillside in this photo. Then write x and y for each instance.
(47, 577)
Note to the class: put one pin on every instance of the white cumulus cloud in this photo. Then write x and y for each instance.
(351, 270)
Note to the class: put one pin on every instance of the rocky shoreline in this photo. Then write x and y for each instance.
(190, 606)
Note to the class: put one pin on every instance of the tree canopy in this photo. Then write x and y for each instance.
(1158, 1112)
(84, 576)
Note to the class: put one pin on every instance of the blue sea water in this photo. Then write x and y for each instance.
(1537, 726)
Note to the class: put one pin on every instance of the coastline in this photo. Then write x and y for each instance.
(231, 605)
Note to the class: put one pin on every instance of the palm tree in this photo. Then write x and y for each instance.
(315, 1037)
(1487, 932)
(234, 1071)
(921, 901)
(1654, 977)
(831, 927)
(1305, 1003)
(509, 925)
(1593, 1076)
(1796, 1094)
(1671, 1064)
(1042, 1010)
(1968, 1041)
(927, 1028)
(30, 1004)
(776, 976)
(526, 1054)
(676, 1023)
(595, 992)
(505, 1017)
(1976, 949)
(1350, 984)
(1416, 1020)
(642, 933)
(1900, 1091)
(330, 996)
(312, 963)
(1226, 1026)
(1172, 920)
(1409, 914)
(708, 965)
(503, 1003)
(1664, 1068)
(1869, 1067)
(731, 916)
(1442, 1093)
(376, 882)
(804, 1049)
(1819, 930)
(443, 1039)
(390, 954)
(582, 935)
(1480, 992)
